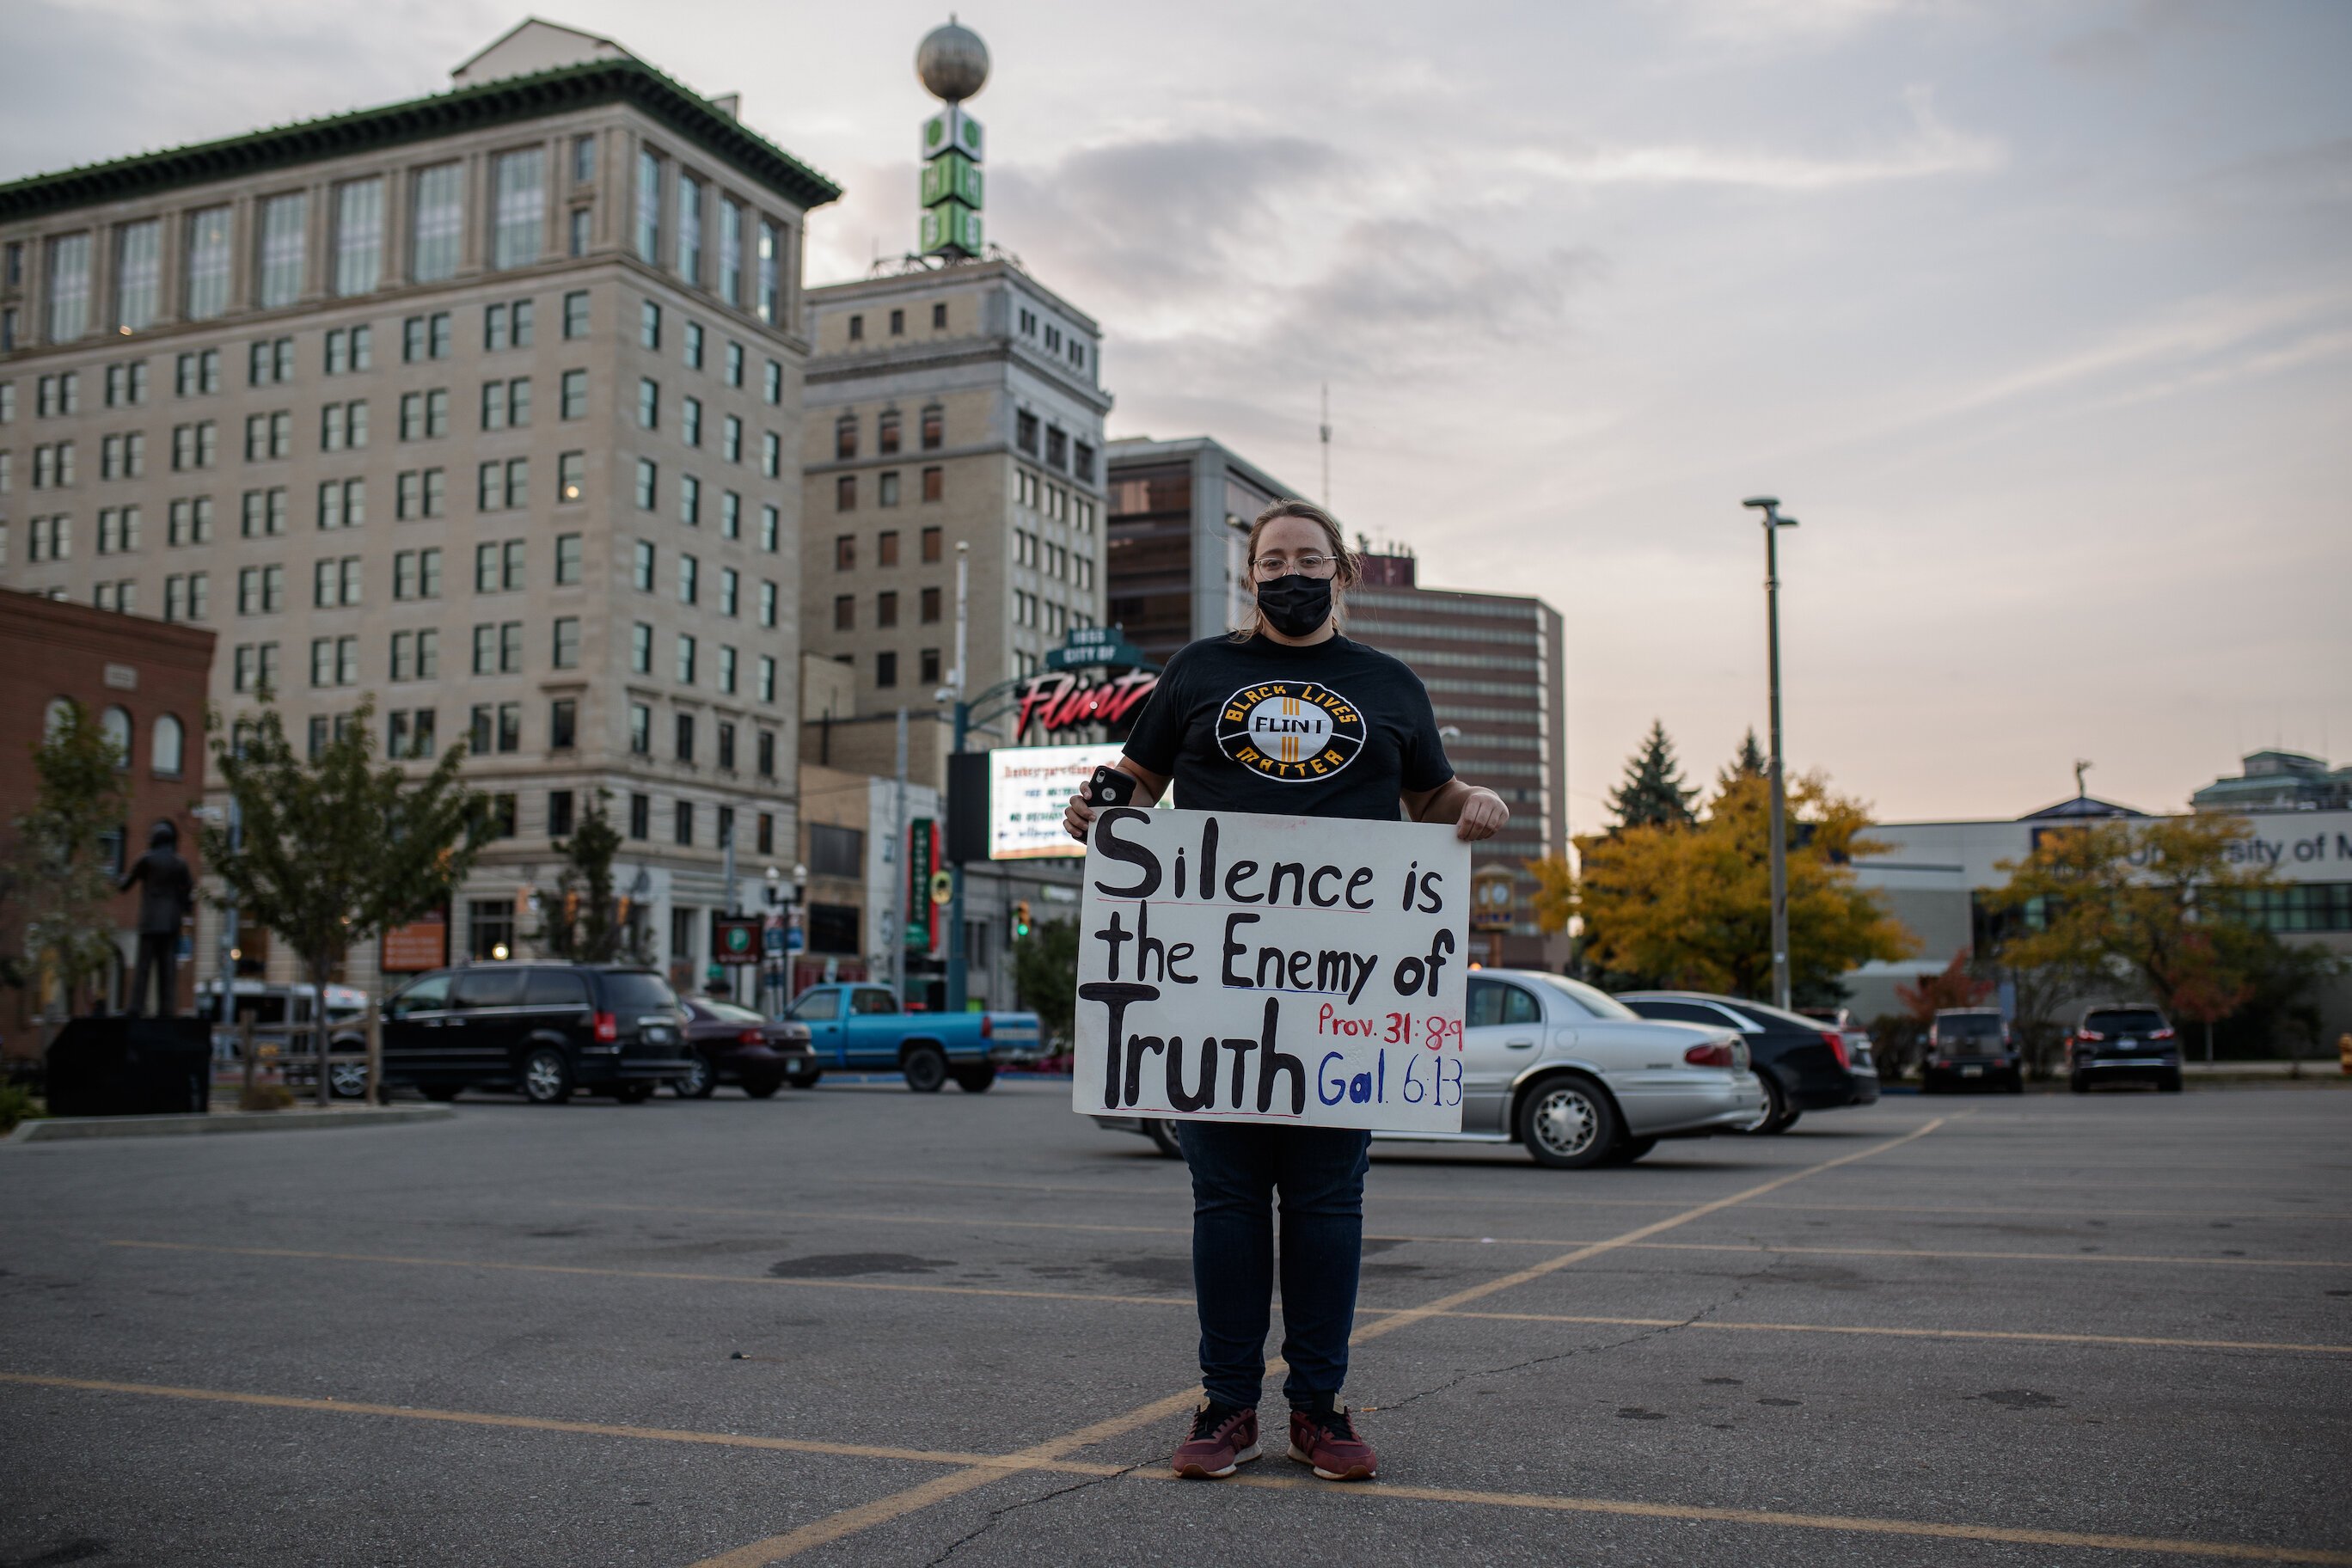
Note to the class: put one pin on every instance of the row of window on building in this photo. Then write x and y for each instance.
(675, 212)
(497, 647)
(167, 737)
(344, 350)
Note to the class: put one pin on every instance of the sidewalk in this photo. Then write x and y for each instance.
(53, 1129)
(2317, 1067)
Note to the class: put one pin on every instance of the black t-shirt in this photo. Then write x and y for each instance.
(1335, 729)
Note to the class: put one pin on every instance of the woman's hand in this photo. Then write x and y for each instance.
(1079, 818)
(1483, 815)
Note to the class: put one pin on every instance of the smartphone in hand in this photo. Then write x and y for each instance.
(1111, 786)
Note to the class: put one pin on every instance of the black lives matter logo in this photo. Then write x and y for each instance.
(1294, 731)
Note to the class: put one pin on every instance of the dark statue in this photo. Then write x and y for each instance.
(170, 893)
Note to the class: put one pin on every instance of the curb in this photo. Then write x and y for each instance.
(51, 1129)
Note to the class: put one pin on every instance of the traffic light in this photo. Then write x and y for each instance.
(1021, 919)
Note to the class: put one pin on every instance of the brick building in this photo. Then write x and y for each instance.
(146, 682)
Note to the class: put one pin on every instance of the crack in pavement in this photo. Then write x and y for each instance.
(996, 1515)
(1711, 1308)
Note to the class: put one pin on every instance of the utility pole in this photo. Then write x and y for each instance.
(728, 872)
(959, 957)
(1773, 524)
(894, 937)
(1326, 432)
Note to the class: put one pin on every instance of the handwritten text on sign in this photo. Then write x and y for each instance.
(1243, 968)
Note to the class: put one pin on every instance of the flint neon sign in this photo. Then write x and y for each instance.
(1058, 701)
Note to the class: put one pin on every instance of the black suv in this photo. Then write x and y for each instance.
(544, 1028)
(1970, 1048)
(2132, 1041)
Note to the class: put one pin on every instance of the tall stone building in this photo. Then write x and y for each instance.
(485, 406)
(1493, 667)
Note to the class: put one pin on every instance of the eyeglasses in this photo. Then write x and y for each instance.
(1310, 564)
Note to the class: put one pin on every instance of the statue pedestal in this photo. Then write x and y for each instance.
(130, 1066)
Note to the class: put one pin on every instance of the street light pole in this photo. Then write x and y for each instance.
(1774, 523)
(959, 957)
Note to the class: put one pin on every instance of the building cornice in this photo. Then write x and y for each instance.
(838, 368)
(513, 100)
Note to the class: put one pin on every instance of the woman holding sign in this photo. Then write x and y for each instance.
(1291, 661)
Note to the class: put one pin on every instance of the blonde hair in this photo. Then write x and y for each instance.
(1344, 568)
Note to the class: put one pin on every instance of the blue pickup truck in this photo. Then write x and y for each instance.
(862, 1028)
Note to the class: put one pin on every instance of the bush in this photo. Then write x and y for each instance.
(18, 1104)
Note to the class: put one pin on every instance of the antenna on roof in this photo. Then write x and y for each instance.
(1326, 432)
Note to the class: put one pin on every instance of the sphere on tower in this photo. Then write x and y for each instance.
(953, 62)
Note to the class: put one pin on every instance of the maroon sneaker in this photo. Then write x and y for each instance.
(1224, 1439)
(1327, 1439)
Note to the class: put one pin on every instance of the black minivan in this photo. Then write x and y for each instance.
(543, 1028)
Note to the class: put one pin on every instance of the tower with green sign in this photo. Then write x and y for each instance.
(953, 64)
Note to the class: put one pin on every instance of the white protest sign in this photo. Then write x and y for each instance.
(1233, 967)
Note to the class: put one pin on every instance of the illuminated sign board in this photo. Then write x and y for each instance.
(1028, 789)
(1058, 699)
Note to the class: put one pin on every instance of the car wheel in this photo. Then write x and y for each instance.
(1628, 1150)
(546, 1076)
(2017, 1083)
(2078, 1083)
(348, 1080)
(633, 1093)
(1778, 1117)
(1927, 1084)
(763, 1087)
(975, 1080)
(1567, 1123)
(439, 1093)
(805, 1079)
(1163, 1136)
(2169, 1083)
(699, 1081)
(926, 1069)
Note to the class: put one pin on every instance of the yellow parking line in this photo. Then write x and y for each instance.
(2026, 1336)
(579, 1269)
(976, 1469)
(778, 1548)
(967, 1222)
(543, 1424)
(1366, 1311)
(2243, 1552)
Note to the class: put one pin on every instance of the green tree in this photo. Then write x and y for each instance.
(1654, 792)
(1045, 978)
(1748, 763)
(2160, 903)
(1692, 906)
(67, 848)
(334, 851)
(581, 922)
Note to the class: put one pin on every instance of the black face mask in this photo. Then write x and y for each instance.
(1295, 605)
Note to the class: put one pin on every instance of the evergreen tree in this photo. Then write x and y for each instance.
(1748, 763)
(1654, 793)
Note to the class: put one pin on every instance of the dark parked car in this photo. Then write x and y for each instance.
(1970, 1048)
(730, 1044)
(2133, 1041)
(543, 1028)
(1861, 1050)
(1803, 1065)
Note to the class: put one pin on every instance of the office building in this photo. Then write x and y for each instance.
(2279, 781)
(1177, 531)
(1493, 664)
(485, 406)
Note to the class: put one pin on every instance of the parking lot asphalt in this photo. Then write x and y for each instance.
(862, 1326)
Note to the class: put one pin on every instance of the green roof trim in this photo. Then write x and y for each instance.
(512, 101)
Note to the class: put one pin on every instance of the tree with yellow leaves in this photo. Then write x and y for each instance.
(1690, 906)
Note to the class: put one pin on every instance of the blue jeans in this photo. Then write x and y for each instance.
(1237, 1167)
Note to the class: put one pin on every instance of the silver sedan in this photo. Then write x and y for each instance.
(1575, 1076)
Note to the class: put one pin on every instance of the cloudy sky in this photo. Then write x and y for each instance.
(2038, 315)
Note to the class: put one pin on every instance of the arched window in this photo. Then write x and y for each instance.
(164, 752)
(59, 714)
(116, 722)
